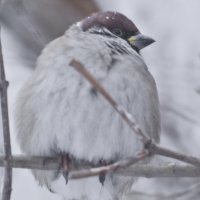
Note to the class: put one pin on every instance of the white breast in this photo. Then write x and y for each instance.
(59, 111)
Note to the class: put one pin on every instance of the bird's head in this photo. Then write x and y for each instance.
(115, 24)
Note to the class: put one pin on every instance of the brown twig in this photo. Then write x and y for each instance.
(32, 162)
(172, 154)
(154, 149)
(148, 171)
(123, 113)
(7, 187)
(109, 168)
(118, 167)
(165, 170)
(148, 145)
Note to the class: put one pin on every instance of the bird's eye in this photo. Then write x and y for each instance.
(117, 32)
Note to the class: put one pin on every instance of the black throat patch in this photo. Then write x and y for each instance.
(116, 48)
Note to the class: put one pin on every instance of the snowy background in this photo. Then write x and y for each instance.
(174, 61)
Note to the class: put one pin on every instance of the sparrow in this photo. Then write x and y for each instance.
(58, 112)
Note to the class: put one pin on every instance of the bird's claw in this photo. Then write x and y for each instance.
(102, 178)
(65, 163)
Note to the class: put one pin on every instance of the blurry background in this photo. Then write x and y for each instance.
(174, 61)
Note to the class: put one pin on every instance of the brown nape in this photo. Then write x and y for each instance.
(110, 20)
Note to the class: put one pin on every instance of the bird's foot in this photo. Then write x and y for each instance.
(65, 164)
(102, 176)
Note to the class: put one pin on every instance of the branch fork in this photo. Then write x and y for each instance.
(47, 163)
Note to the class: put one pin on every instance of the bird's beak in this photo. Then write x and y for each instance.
(140, 41)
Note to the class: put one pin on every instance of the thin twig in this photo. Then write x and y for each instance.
(32, 162)
(122, 164)
(148, 171)
(7, 187)
(123, 113)
(155, 149)
(117, 167)
(165, 170)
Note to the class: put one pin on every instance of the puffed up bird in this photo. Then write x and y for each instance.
(59, 112)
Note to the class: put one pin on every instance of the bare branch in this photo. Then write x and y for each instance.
(32, 162)
(123, 113)
(148, 145)
(148, 171)
(160, 171)
(7, 187)
(172, 154)
(109, 168)
(82, 169)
